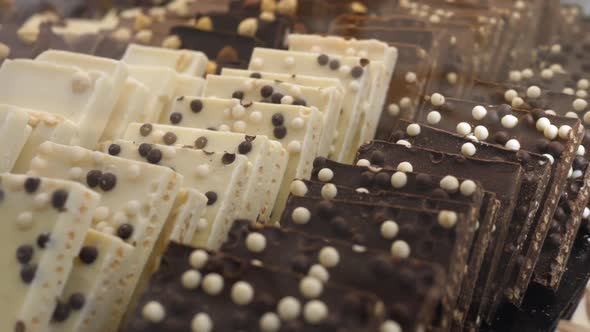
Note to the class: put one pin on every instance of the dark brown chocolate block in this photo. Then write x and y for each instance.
(421, 234)
(502, 178)
(194, 287)
(537, 172)
(515, 129)
(410, 289)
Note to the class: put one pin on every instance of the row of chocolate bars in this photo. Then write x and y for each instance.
(476, 184)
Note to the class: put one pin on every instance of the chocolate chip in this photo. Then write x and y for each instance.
(299, 102)
(319, 162)
(175, 118)
(146, 129)
(501, 137)
(542, 144)
(59, 199)
(325, 209)
(424, 181)
(367, 179)
(580, 163)
(201, 142)
(125, 231)
(20, 326)
(27, 273)
(383, 180)
(300, 264)
(377, 158)
(169, 138)
(439, 193)
(278, 119)
(245, 147)
(266, 91)
(365, 62)
(211, 197)
(108, 181)
(32, 184)
(357, 72)
(24, 254)
(238, 95)
(114, 149)
(154, 156)
(280, 132)
(555, 149)
(42, 241)
(334, 64)
(323, 59)
(276, 98)
(196, 106)
(255, 75)
(504, 110)
(144, 149)
(228, 158)
(88, 254)
(77, 301)
(523, 156)
(93, 178)
(340, 226)
(61, 312)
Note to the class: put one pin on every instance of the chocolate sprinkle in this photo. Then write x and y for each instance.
(88, 254)
(146, 129)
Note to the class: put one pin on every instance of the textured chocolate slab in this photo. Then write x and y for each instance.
(408, 303)
(502, 178)
(203, 291)
(537, 172)
(421, 234)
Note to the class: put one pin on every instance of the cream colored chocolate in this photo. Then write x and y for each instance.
(136, 199)
(189, 86)
(297, 128)
(383, 60)
(94, 280)
(187, 62)
(267, 160)
(188, 215)
(161, 84)
(323, 99)
(222, 177)
(357, 88)
(80, 96)
(14, 133)
(129, 107)
(44, 222)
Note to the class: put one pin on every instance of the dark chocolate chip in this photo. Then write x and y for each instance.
(196, 106)
(154, 156)
(238, 95)
(439, 193)
(255, 75)
(383, 180)
(61, 312)
(326, 210)
(175, 118)
(146, 129)
(32, 184)
(357, 71)
(201, 142)
(266, 91)
(377, 158)
(93, 178)
(169, 138)
(334, 64)
(504, 110)
(42, 240)
(228, 158)
(88, 254)
(580, 163)
(280, 132)
(211, 197)
(77, 301)
(25, 253)
(367, 179)
(27, 273)
(501, 137)
(340, 226)
(300, 264)
(319, 162)
(245, 147)
(556, 149)
(299, 102)
(114, 149)
(542, 144)
(424, 181)
(323, 59)
(144, 149)
(125, 231)
(277, 119)
(59, 199)
(108, 181)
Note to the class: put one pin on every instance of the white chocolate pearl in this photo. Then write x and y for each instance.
(319, 272)
(579, 105)
(363, 162)
(587, 118)
(550, 132)
(294, 147)
(41, 200)
(547, 74)
(513, 145)
(467, 188)
(399, 180)
(270, 322)
(297, 123)
(198, 259)
(154, 312)
(301, 215)
(393, 109)
(581, 150)
(447, 219)
(255, 117)
(242, 293)
(405, 103)
(413, 130)
(255, 242)
(344, 70)
(239, 127)
(572, 115)
(25, 220)
(433, 118)
(527, 73)
(463, 129)
(202, 170)
(325, 175)
(289, 308)
(533, 92)
(329, 191)
(509, 121)
(515, 76)
(400, 249)
(550, 112)
(583, 84)
(411, 77)
(191, 279)
(329, 257)
(509, 95)
(213, 284)
(542, 124)
(564, 131)
(311, 287)
(315, 312)
(289, 61)
(298, 188)
(404, 143)
(238, 111)
(437, 99)
(405, 167)
(390, 326)
(201, 323)
(517, 102)
(481, 133)
(287, 100)
(568, 91)
(479, 112)
(468, 149)
(586, 213)
(389, 229)
(449, 183)
(550, 157)
(582, 94)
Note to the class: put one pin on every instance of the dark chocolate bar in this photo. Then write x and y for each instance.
(410, 289)
(197, 290)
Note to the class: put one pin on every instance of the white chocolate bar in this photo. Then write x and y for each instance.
(188, 215)
(297, 128)
(189, 86)
(221, 176)
(161, 83)
(383, 60)
(128, 109)
(92, 282)
(79, 96)
(322, 99)
(187, 62)
(136, 199)
(268, 160)
(358, 88)
(44, 222)
(14, 133)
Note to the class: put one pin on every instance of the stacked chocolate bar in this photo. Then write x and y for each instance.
(284, 165)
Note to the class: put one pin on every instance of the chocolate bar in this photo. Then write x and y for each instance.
(204, 291)
(15, 132)
(371, 225)
(358, 267)
(438, 163)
